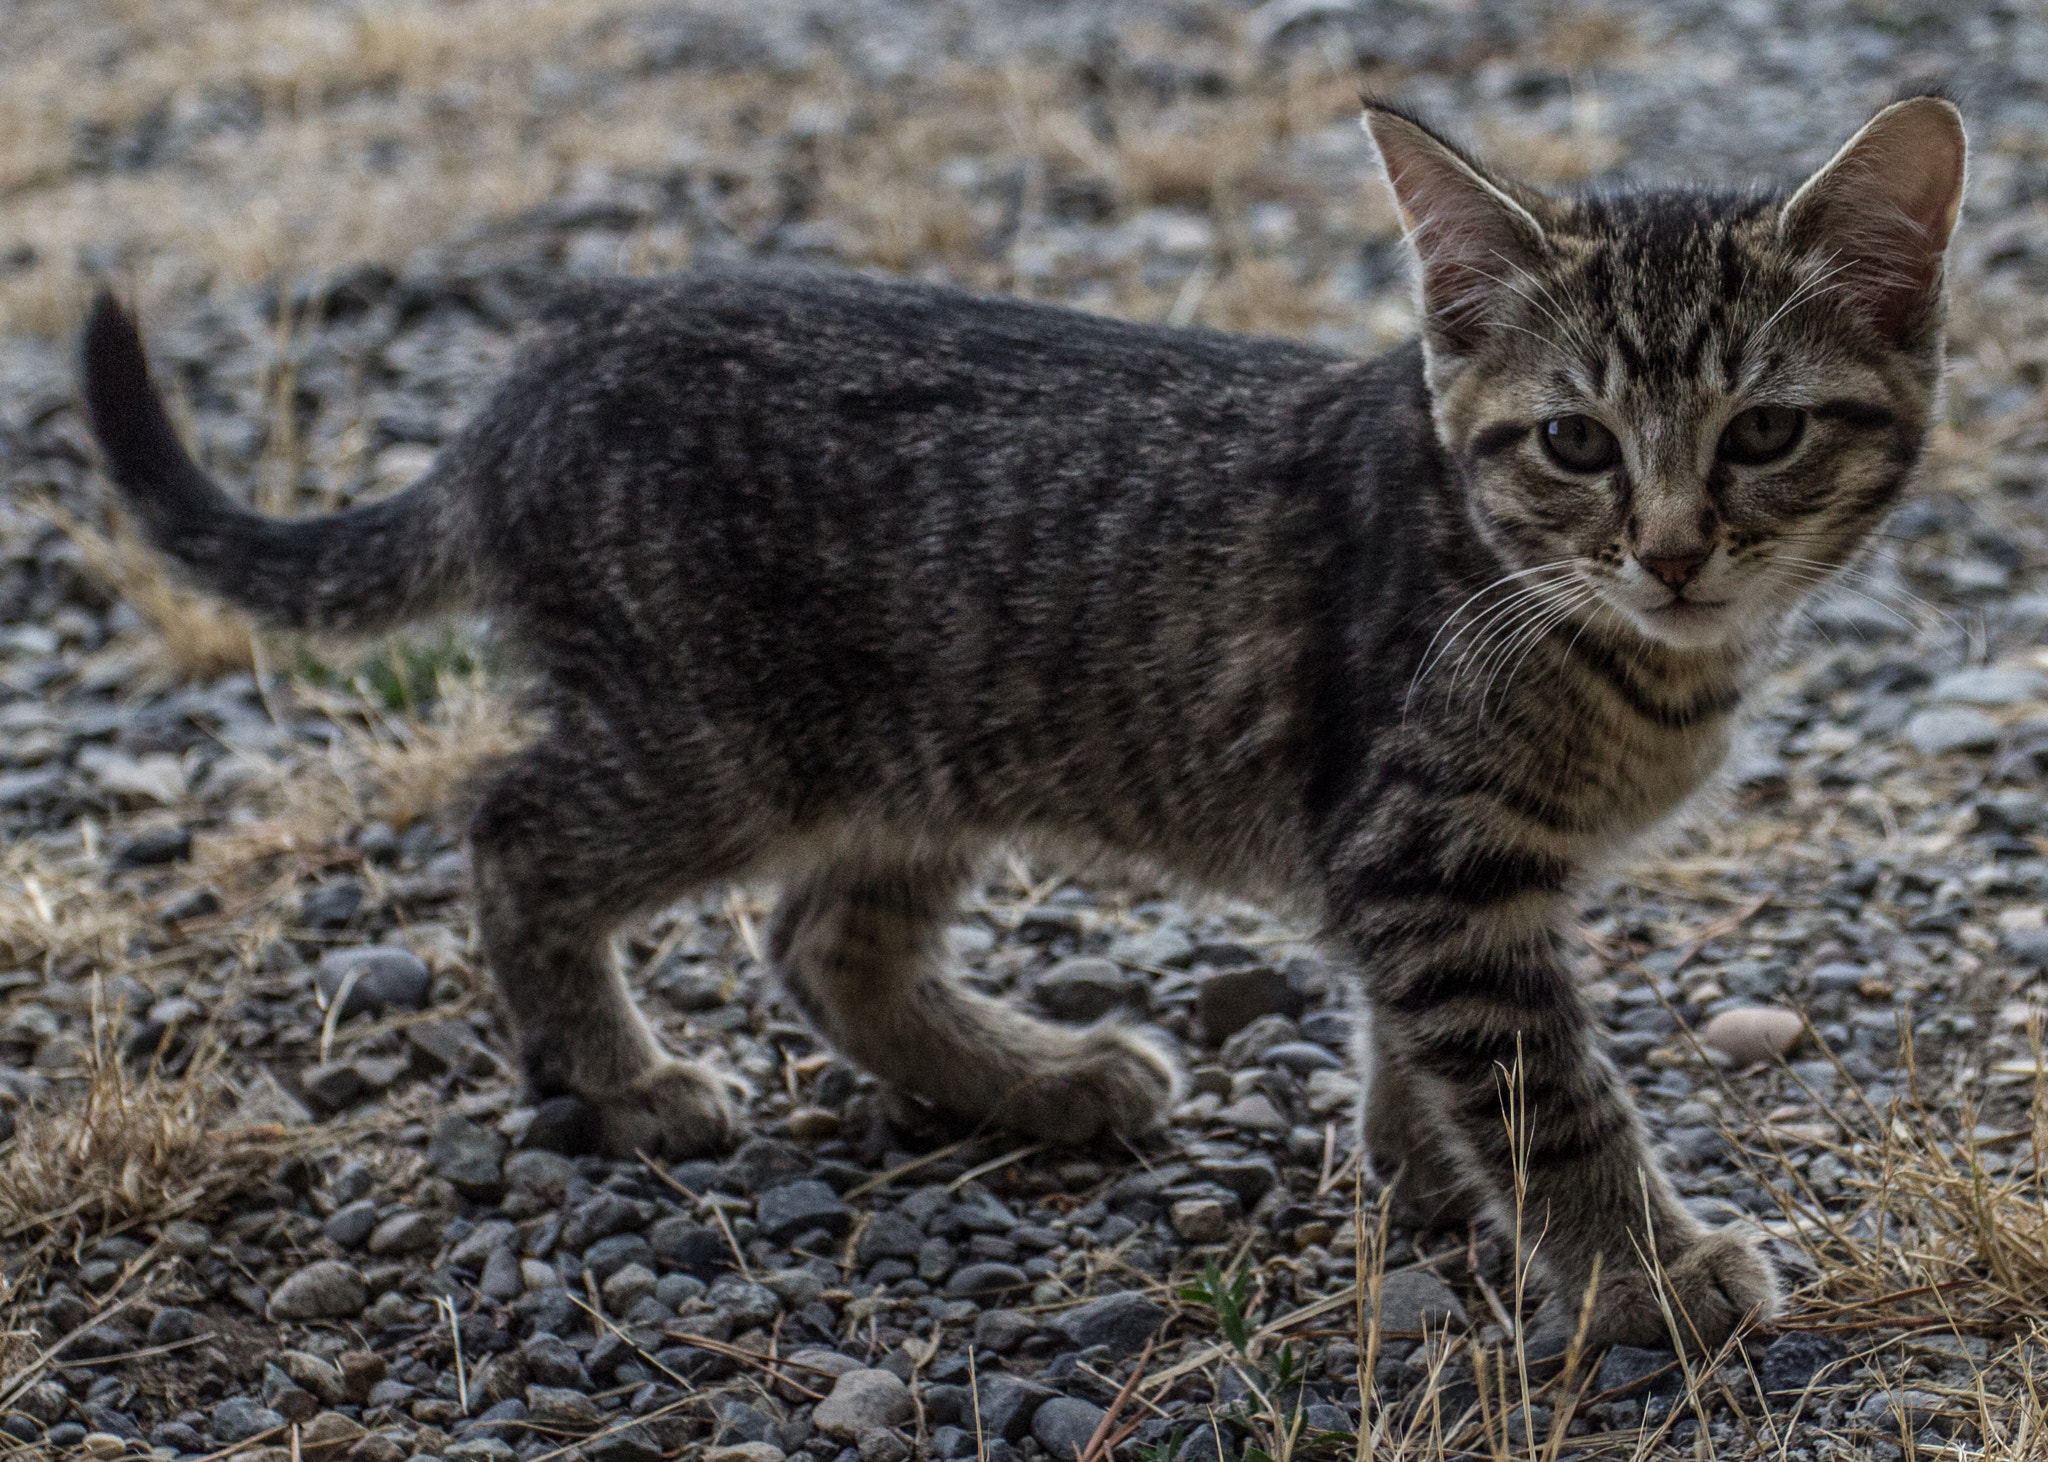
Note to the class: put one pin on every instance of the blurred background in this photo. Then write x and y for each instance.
(368, 195)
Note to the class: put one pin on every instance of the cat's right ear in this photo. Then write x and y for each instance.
(1471, 238)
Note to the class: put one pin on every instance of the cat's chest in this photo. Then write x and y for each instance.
(1615, 776)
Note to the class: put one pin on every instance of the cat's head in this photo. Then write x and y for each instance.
(1682, 410)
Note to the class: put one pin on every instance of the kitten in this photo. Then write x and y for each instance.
(840, 581)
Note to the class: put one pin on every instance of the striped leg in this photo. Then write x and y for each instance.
(1495, 1042)
(862, 951)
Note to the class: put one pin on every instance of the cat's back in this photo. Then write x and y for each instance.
(813, 340)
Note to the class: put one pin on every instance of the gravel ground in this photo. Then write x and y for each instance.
(198, 867)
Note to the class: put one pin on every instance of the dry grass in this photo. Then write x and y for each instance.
(132, 1150)
(1940, 1232)
(192, 637)
(55, 908)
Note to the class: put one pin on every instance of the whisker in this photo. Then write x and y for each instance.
(1431, 654)
(1532, 638)
(1533, 622)
(1532, 603)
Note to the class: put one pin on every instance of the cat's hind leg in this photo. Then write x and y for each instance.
(569, 840)
(861, 947)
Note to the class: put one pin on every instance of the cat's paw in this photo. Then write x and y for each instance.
(1719, 1281)
(1722, 1281)
(675, 1109)
(1115, 1082)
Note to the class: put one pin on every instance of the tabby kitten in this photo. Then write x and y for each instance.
(839, 582)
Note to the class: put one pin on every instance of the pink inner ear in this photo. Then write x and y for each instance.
(1468, 237)
(1883, 210)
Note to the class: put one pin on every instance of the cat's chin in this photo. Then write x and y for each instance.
(1688, 625)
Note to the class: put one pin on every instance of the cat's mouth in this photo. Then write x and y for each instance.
(1688, 624)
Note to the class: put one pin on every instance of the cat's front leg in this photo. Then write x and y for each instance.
(1477, 1012)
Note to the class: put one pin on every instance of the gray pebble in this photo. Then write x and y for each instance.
(1064, 1425)
(789, 1209)
(386, 978)
(326, 1289)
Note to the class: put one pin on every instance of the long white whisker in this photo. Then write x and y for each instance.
(1529, 640)
(1497, 644)
(1805, 290)
(1430, 652)
(1823, 574)
(1503, 622)
(1808, 585)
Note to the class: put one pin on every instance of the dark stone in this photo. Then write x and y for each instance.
(1064, 1425)
(763, 1163)
(789, 1209)
(172, 1324)
(988, 1278)
(155, 848)
(889, 1235)
(104, 1418)
(1087, 989)
(980, 1211)
(738, 1422)
(503, 1421)
(331, 905)
(692, 1247)
(1121, 1322)
(100, 1340)
(564, 1124)
(349, 1225)
(608, 1256)
(699, 1175)
(1628, 1369)
(173, 1434)
(194, 903)
(1794, 1359)
(1249, 1177)
(1228, 1001)
(1302, 1058)
(1330, 1029)
(239, 1418)
(331, 1087)
(470, 1157)
(1008, 1404)
(627, 1444)
(551, 1362)
(386, 978)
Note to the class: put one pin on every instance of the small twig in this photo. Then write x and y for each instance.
(332, 1016)
(992, 1165)
(702, 1203)
(882, 1180)
(769, 1364)
(447, 1307)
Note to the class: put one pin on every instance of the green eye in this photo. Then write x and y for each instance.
(1580, 444)
(1761, 434)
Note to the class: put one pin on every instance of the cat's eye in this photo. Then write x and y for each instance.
(1580, 444)
(1761, 434)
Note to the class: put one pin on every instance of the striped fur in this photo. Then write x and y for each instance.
(843, 582)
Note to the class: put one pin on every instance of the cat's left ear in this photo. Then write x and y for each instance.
(1471, 236)
(1881, 212)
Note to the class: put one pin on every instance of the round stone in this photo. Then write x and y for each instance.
(326, 1289)
(862, 1399)
(1753, 1033)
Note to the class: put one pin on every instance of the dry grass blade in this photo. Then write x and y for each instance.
(194, 638)
(132, 1150)
(1108, 1434)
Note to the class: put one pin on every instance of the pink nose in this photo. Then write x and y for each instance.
(1676, 570)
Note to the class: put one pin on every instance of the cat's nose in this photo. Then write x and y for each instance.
(1675, 570)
